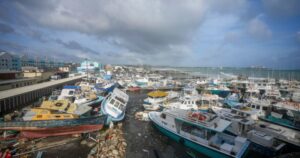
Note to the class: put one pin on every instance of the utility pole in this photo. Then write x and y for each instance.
(87, 73)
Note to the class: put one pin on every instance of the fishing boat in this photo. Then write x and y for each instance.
(44, 114)
(296, 96)
(68, 92)
(220, 90)
(186, 103)
(133, 89)
(154, 100)
(241, 123)
(114, 105)
(59, 105)
(105, 86)
(232, 100)
(265, 143)
(283, 113)
(172, 95)
(88, 98)
(142, 82)
(272, 93)
(46, 128)
(206, 101)
(203, 132)
(284, 134)
(189, 91)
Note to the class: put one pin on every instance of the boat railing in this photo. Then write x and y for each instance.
(207, 122)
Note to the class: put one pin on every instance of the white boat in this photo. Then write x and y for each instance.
(189, 91)
(265, 143)
(142, 81)
(155, 100)
(172, 95)
(115, 104)
(273, 93)
(202, 132)
(241, 123)
(280, 133)
(296, 96)
(186, 103)
(69, 92)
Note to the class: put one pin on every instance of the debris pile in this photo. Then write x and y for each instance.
(142, 115)
(111, 144)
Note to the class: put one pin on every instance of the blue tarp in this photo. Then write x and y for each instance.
(71, 87)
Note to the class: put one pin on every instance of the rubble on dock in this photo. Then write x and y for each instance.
(110, 143)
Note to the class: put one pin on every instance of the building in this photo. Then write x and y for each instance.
(9, 62)
(12, 62)
(10, 75)
(35, 72)
(89, 66)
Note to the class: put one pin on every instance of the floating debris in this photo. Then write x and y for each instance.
(142, 115)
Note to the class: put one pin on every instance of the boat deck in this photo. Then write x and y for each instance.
(212, 121)
(282, 133)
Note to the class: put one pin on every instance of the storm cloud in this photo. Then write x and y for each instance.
(167, 32)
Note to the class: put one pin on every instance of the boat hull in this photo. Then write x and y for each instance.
(59, 131)
(221, 93)
(44, 125)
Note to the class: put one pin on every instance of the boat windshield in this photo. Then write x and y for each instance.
(120, 99)
(196, 131)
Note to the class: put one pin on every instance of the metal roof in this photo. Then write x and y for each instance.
(26, 89)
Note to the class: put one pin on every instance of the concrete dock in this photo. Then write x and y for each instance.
(20, 97)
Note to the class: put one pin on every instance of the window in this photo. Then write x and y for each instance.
(257, 107)
(71, 92)
(117, 104)
(112, 101)
(163, 115)
(265, 108)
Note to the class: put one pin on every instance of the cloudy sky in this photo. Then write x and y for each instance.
(158, 32)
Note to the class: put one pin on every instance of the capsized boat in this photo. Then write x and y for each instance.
(46, 128)
(200, 131)
(115, 104)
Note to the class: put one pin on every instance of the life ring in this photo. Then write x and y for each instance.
(201, 117)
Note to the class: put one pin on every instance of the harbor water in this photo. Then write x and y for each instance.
(250, 72)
